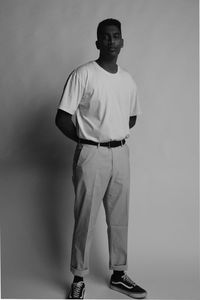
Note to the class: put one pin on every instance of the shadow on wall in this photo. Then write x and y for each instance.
(45, 198)
(38, 210)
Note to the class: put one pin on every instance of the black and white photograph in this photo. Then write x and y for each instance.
(99, 149)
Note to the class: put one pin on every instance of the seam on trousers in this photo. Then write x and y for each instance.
(90, 228)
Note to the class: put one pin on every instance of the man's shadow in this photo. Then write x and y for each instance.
(49, 153)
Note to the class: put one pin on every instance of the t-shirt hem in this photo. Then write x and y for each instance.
(69, 111)
(136, 114)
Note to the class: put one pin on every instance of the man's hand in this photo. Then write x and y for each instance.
(64, 123)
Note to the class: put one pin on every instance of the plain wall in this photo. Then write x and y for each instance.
(41, 43)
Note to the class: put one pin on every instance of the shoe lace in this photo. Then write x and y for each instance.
(128, 279)
(77, 289)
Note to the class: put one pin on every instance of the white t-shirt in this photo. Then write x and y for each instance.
(100, 102)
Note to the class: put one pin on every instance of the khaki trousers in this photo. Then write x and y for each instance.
(100, 174)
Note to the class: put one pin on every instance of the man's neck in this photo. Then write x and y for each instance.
(109, 65)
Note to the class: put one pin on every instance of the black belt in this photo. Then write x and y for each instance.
(111, 144)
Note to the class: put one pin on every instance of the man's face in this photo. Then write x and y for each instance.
(110, 42)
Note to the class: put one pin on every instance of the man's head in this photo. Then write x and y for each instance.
(109, 37)
(107, 22)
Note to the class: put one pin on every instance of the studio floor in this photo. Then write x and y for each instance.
(97, 287)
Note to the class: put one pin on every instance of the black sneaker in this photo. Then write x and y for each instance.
(126, 286)
(77, 290)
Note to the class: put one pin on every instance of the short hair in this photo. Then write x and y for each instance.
(107, 22)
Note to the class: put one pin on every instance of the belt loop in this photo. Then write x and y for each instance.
(121, 143)
(98, 144)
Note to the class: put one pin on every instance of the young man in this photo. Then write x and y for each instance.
(98, 107)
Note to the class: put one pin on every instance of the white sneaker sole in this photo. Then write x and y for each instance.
(132, 295)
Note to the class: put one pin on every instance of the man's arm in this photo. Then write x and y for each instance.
(132, 121)
(64, 123)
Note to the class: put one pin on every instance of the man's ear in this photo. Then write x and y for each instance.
(122, 43)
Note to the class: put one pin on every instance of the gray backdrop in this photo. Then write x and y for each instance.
(42, 41)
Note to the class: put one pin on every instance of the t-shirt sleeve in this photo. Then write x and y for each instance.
(135, 103)
(72, 93)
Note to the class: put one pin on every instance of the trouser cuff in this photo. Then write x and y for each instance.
(80, 273)
(119, 268)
